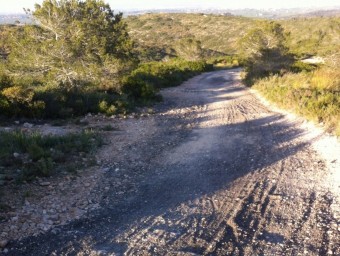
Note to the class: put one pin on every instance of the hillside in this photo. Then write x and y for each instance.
(14, 19)
(157, 33)
(320, 35)
(221, 34)
(324, 13)
(161, 31)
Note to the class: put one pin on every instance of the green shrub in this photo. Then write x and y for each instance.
(313, 95)
(5, 81)
(225, 62)
(143, 83)
(300, 66)
(47, 102)
(38, 155)
(139, 89)
(268, 62)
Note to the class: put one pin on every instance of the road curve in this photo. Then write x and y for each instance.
(218, 173)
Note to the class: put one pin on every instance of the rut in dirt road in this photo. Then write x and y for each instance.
(220, 174)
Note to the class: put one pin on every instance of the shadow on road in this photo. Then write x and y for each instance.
(211, 159)
(179, 183)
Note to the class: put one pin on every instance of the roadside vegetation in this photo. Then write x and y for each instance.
(315, 94)
(26, 155)
(309, 90)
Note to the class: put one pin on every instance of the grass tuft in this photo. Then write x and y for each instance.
(315, 95)
(37, 155)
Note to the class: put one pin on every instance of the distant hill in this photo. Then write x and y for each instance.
(156, 34)
(251, 13)
(220, 34)
(324, 13)
(161, 31)
(14, 18)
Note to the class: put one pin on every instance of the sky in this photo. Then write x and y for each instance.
(16, 6)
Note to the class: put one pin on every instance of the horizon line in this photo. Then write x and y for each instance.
(202, 8)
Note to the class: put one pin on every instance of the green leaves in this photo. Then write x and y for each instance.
(265, 50)
(38, 155)
(73, 44)
(268, 35)
(189, 49)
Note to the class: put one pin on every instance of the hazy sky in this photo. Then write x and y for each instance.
(16, 6)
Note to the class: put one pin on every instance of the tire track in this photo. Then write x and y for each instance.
(239, 219)
(224, 176)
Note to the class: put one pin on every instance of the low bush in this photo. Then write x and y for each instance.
(226, 62)
(33, 99)
(315, 95)
(300, 66)
(269, 62)
(46, 102)
(274, 65)
(61, 103)
(143, 83)
(37, 155)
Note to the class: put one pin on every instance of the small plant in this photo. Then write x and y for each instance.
(4, 208)
(300, 66)
(38, 155)
(27, 194)
(225, 62)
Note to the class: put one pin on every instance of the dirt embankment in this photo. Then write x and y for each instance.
(213, 172)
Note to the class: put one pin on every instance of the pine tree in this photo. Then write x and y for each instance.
(74, 43)
(265, 51)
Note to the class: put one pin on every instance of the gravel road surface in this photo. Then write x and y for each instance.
(212, 172)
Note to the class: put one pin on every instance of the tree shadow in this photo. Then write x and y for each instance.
(178, 183)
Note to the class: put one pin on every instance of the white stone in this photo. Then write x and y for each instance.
(27, 125)
(45, 183)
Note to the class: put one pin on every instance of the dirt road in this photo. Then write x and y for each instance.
(213, 172)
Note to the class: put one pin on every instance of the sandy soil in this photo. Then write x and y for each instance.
(215, 171)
